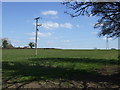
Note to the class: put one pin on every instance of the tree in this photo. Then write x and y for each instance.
(31, 44)
(108, 13)
(5, 42)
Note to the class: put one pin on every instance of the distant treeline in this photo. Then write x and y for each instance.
(27, 48)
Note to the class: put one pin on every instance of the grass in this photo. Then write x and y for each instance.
(20, 65)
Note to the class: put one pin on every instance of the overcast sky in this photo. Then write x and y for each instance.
(58, 29)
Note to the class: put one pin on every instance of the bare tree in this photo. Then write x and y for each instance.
(108, 13)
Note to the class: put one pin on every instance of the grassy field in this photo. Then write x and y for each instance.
(66, 66)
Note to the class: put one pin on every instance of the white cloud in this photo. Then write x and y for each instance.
(40, 34)
(50, 12)
(35, 24)
(33, 38)
(105, 38)
(55, 25)
(50, 25)
(66, 25)
(65, 41)
(44, 34)
(31, 34)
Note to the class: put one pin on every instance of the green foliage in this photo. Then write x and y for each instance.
(108, 13)
(5, 43)
(31, 44)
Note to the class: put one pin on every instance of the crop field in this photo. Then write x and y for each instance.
(55, 68)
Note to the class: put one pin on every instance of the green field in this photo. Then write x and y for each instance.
(20, 65)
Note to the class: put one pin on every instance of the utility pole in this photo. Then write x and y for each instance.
(107, 44)
(36, 34)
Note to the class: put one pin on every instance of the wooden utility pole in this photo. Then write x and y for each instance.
(36, 34)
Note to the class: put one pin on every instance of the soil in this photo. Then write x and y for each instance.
(109, 75)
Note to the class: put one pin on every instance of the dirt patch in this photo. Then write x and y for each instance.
(109, 70)
(70, 84)
(107, 77)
